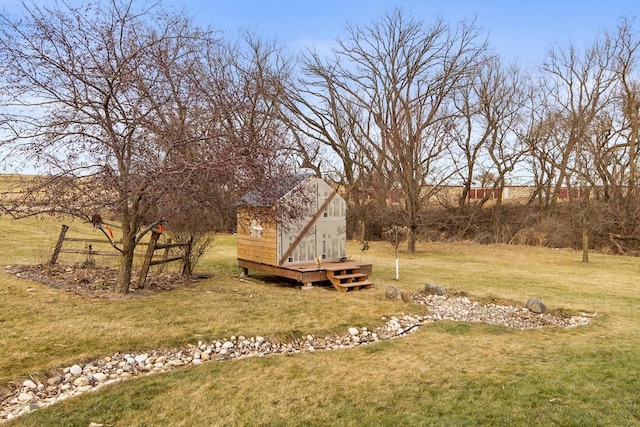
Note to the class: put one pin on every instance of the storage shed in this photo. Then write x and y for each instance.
(298, 232)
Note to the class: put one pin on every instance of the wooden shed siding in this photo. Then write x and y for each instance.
(318, 232)
(262, 249)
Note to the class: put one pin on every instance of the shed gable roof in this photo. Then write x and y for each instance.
(270, 193)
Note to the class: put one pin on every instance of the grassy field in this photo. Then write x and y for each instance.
(445, 374)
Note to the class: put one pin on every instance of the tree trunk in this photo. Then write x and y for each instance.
(411, 245)
(585, 245)
(126, 267)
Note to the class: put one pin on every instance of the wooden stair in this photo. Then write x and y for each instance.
(347, 278)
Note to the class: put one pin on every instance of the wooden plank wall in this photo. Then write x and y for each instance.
(262, 249)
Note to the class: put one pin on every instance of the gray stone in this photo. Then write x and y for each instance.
(75, 370)
(353, 332)
(536, 306)
(393, 293)
(432, 289)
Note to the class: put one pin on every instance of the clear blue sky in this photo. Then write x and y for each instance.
(518, 30)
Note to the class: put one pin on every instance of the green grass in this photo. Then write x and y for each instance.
(444, 374)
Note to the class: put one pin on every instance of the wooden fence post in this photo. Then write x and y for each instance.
(147, 259)
(56, 251)
(186, 260)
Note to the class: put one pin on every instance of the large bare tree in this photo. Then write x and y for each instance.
(113, 101)
(389, 87)
(485, 138)
(625, 142)
(575, 91)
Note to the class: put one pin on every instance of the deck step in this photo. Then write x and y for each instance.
(349, 276)
(344, 287)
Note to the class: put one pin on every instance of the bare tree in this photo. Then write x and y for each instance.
(577, 87)
(111, 99)
(626, 139)
(486, 145)
(327, 127)
(392, 83)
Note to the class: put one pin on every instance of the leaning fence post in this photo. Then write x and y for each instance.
(147, 259)
(186, 260)
(56, 251)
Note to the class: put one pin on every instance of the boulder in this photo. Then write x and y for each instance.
(393, 293)
(536, 306)
(431, 289)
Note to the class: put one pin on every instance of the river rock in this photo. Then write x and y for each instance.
(353, 332)
(536, 306)
(393, 293)
(30, 385)
(99, 377)
(81, 381)
(75, 370)
(25, 397)
(54, 381)
(432, 289)
(141, 358)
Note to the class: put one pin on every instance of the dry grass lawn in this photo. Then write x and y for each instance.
(445, 374)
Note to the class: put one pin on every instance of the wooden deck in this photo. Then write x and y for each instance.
(343, 275)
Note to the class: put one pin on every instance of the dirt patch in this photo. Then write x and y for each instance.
(93, 281)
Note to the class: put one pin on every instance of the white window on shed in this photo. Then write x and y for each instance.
(255, 229)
